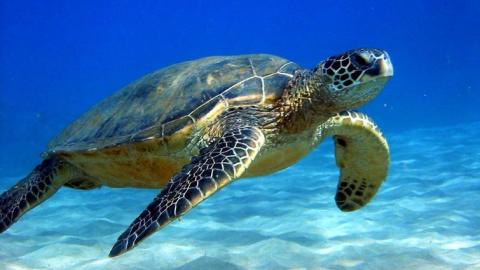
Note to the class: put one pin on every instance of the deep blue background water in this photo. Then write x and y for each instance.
(59, 58)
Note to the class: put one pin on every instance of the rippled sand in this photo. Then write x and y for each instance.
(426, 216)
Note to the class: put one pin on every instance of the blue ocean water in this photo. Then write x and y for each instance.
(59, 58)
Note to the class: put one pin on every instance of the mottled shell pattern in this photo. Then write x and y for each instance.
(166, 101)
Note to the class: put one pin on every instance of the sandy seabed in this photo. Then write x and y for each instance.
(426, 216)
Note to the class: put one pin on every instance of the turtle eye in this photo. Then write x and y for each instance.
(361, 61)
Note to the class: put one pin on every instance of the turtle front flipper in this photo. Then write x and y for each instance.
(42, 183)
(216, 166)
(362, 156)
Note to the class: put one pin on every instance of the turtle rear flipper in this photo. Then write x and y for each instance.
(38, 186)
(362, 155)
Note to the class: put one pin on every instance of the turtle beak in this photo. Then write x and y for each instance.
(381, 70)
(385, 66)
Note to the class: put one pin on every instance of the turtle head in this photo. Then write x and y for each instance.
(353, 78)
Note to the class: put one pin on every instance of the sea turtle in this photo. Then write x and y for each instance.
(194, 127)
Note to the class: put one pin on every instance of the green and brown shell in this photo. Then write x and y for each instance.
(150, 119)
(168, 100)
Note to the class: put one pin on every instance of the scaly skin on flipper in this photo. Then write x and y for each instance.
(362, 156)
(42, 183)
(216, 166)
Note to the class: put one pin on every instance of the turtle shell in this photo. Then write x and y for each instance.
(165, 101)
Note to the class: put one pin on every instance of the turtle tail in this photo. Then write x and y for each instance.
(32, 190)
